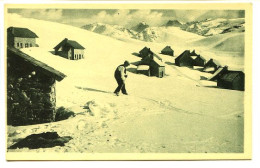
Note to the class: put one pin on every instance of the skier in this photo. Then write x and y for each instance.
(120, 76)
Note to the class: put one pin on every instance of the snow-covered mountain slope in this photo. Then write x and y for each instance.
(229, 42)
(154, 117)
(167, 34)
(114, 31)
(211, 27)
(143, 33)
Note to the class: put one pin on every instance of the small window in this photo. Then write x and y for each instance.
(17, 44)
(21, 44)
(26, 45)
(30, 44)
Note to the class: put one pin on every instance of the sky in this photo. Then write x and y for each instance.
(123, 17)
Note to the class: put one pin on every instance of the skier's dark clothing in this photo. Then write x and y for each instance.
(120, 76)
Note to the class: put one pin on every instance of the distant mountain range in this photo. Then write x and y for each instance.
(144, 32)
(211, 27)
(174, 23)
(140, 27)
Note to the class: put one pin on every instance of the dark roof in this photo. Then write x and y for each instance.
(46, 68)
(70, 43)
(145, 48)
(199, 56)
(184, 53)
(167, 48)
(213, 61)
(231, 75)
(75, 44)
(194, 53)
(218, 73)
(146, 61)
(21, 32)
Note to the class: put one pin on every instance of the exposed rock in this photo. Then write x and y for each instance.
(43, 140)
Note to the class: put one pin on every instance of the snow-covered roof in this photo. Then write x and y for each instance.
(194, 57)
(143, 67)
(209, 69)
(157, 56)
(51, 71)
(21, 32)
(158, 61)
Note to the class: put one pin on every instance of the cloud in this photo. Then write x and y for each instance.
(228, 14)
(44, 14)
(189, 15)
(122, 17)
(126, 17)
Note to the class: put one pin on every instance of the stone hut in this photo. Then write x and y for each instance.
(70, 49)
(31, 95)
(167, 51)
(21, 37)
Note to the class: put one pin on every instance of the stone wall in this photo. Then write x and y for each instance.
(31, 93)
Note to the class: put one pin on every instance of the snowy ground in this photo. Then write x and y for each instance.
(177, 114)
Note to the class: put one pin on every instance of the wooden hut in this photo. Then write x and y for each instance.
(31, 95)
(145, 52)
(194, 53)
(167, 51)
(211, 66)
(184, 59)
(156, 66)
(198, 60)
(69, 49)
(18, 37)
(218, 73)
(234, 80)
